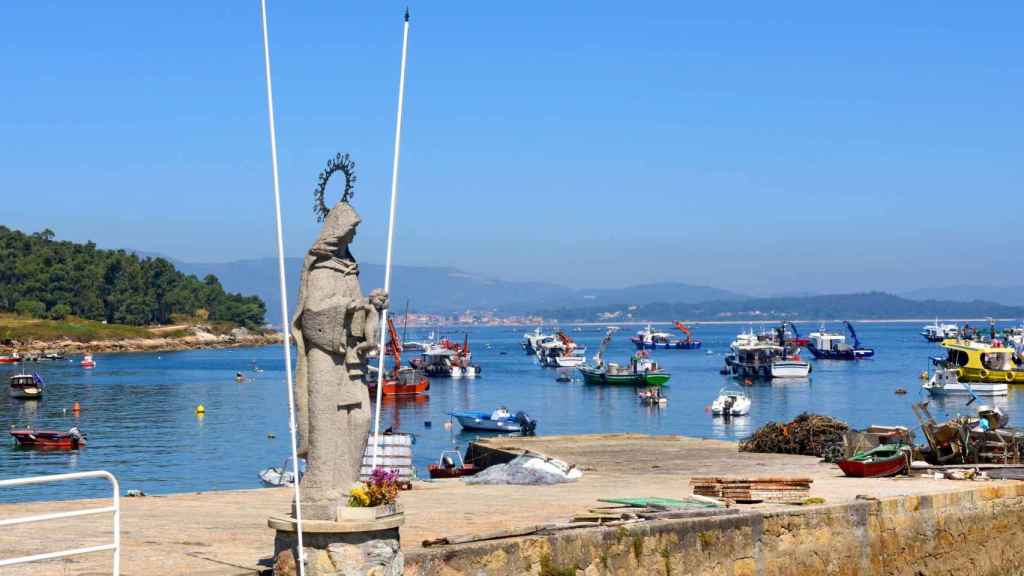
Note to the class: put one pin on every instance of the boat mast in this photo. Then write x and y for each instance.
(286, 343)
(391, 236)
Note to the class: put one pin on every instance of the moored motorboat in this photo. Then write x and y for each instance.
(12, 358)
(885, 460)
(26, 386)
(652, 396)
(642, 370)
(500, 420)
(73, 439)
(560, 351)
(648, 339)
(447, 360)
(984, 362)
(944, 381)
(447, 467)
(826, 345)
(730, 403)
(87, 362)
(283, 475)
(398, 381)
(532, 339)
(938, 332)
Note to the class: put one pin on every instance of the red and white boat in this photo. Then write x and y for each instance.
(87, 362)
(73, 439)
(399, 381)
(12, 358)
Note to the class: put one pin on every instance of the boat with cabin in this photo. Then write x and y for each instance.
(730, 403)
(825, 345)
(765, 357)
(945, 382)
(500, 420)
(26, 386)
(937, 332)
(560, 351)
(531, 340)
(447, 359)
(642, 370)
(648, 339)
(399, 381)
(984, 362)
(12, 358)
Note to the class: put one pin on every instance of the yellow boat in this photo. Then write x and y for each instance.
(981, 362)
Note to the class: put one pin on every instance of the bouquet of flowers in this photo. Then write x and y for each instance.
(381, 488)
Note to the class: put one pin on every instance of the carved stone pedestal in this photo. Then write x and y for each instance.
(347, 548)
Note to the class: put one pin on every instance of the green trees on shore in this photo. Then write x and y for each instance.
(42, 277)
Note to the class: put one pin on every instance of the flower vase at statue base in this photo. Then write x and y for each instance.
(347, 547)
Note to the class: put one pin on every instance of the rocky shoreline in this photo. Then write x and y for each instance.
(199, 340)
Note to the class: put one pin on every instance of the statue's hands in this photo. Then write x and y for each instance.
(379, 299)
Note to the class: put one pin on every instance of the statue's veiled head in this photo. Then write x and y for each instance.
(337, 233)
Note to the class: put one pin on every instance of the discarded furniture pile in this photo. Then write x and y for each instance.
(752, 490)
(982, 439)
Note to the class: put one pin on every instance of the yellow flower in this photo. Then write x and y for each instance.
(359, 496)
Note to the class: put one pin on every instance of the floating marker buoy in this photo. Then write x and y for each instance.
(448, 425)
(924, 375)
(200, 409)
(76, 408)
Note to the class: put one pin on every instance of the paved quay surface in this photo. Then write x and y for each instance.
(226, 533)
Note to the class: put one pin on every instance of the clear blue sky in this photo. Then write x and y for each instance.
(760, 147)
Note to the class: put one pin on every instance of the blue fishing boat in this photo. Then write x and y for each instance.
(501, 420)
(826, 345)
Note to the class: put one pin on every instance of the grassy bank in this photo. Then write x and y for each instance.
(22, 329)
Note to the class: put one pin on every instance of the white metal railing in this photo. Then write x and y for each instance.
(114, 508)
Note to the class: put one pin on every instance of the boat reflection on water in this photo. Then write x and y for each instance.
(951, 406)
(733, 426)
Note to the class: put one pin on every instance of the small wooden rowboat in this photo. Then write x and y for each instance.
(885, 460)
(446, 466)
(73, 439)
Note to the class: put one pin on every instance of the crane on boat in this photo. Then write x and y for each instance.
(599, 357)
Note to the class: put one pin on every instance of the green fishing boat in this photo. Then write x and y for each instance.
(641, 371)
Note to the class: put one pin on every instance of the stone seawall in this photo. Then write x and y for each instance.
(978, 531)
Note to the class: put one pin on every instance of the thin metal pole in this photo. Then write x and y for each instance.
(391, 235)
(284, 291)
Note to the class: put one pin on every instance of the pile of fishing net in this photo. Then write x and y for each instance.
(527, 470)
(807, 434)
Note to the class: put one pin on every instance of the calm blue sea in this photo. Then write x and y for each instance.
(139, 409)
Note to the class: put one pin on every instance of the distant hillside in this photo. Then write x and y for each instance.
(1009, 295)
(448, 290)
(872, 305)
(45, 278)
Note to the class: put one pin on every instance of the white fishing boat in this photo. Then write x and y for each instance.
(938, 332)
(791, 367)
(531, 340)
(945, 382)
(560, 351)
(283, 475)
(26, 386)
(730, 403)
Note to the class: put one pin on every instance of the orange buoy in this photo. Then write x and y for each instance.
(76, 408)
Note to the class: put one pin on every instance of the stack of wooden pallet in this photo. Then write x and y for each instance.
(752, 490)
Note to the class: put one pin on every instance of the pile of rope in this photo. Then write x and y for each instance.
(807, 434)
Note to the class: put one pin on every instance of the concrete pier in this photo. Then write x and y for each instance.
(866, 526)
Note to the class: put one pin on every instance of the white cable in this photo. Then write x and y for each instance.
(391, 235)
(284, 293)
